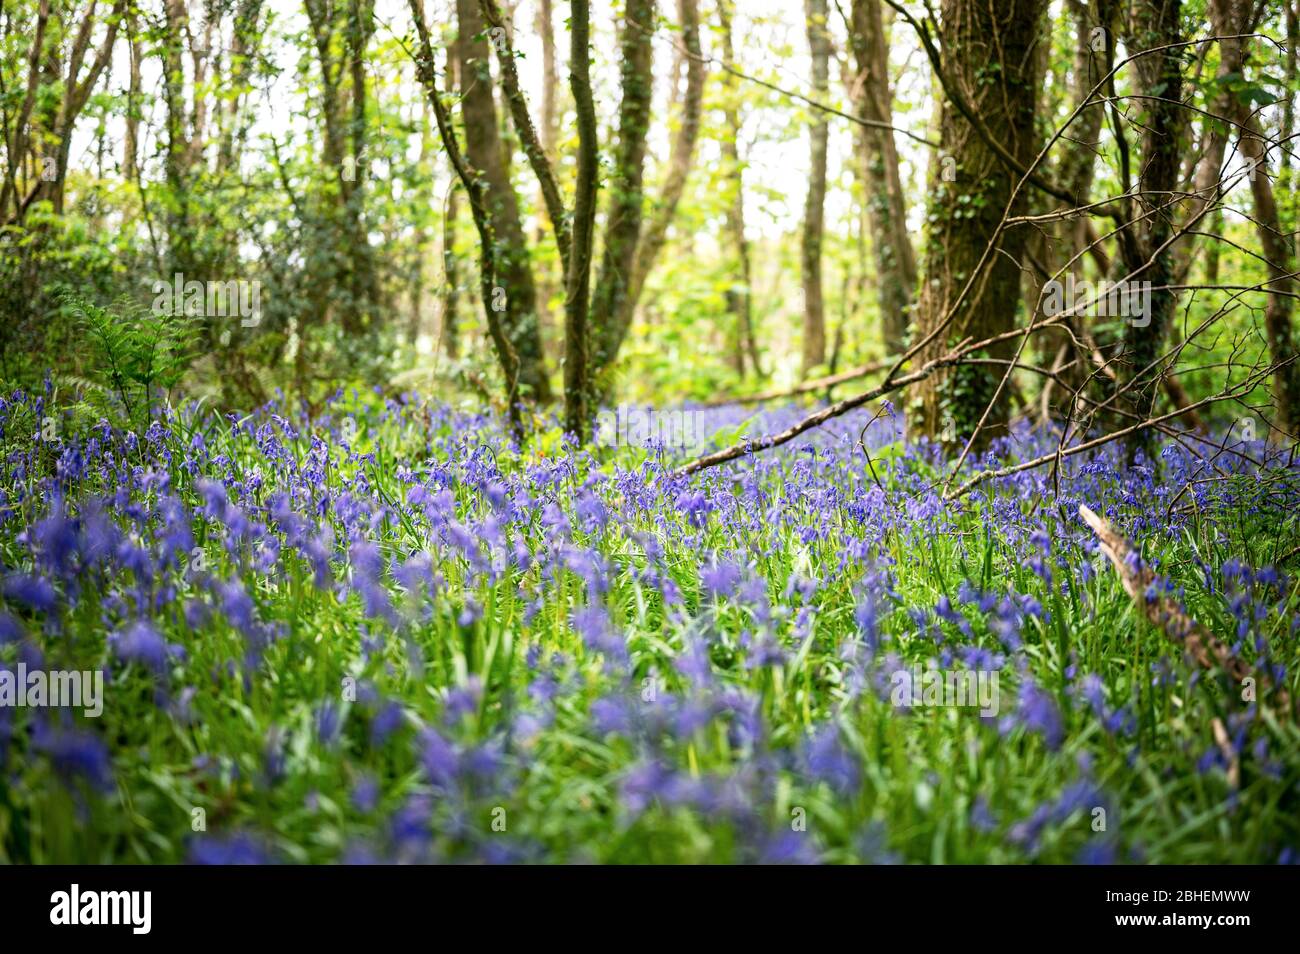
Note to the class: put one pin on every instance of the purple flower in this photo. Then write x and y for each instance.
(981, 817)
(328, 722)
(828, 760)
(387, 720)
(11, 630)
(237, 849)
(720, 579)
(34, 592)
(1036, 711)
(142, 643)
(439, 759)
(77, 754)
(610, 715)
(365, 794)
(57, 538)
(789, 848)
(644, 783)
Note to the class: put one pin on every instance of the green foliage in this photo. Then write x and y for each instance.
(141, 356)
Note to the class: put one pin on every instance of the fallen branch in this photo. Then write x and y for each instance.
(806, 387)
(1166, 615)
(743, 449)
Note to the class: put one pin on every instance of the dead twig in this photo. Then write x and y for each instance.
(1199, 643)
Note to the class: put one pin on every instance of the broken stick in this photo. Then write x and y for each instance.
(1166, 615)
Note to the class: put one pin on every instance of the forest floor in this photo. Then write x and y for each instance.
(391, 634)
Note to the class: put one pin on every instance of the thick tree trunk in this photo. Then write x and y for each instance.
(970, 187)
(814, 311)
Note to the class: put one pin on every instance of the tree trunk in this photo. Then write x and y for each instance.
(679, 164)
(814, 312)
(886, 206)
(131, 141)
(578, 392)
(15, 185)
(1055, 245)
(512, 294)
(625, 213)
(451, 275)
(739, 295)
(548, 132)
(359, 28)
(176, 158)
(1232, 18)
(1153, 23)
(969, 189)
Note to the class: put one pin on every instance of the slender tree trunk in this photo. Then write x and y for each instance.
(1278, 246)
(627, 195)
(739, 295)
(679, 164)
(359, 28)
(1287, 130)
(16, 149)
(1153, 23)
(175, 160)
(1231, 19)
(1052, 246)
(200, 60)
(548, 134)
(550, 123)
(243, 47)
(76, 90)
(513, 295)
(451, 276)
(131, 140)
(578, 391)
(814, 311)
(886, 206)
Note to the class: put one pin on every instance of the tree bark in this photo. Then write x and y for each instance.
(512, 295)
(680, 157)
(886, 206)
(1153, 23)
(18, 140)
(578, 394)
(176, 157)
(1232, 18)
(451, 275)
(131, 140)
(988, 54)
(814, 312)
(627, 197)
(740, 294)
